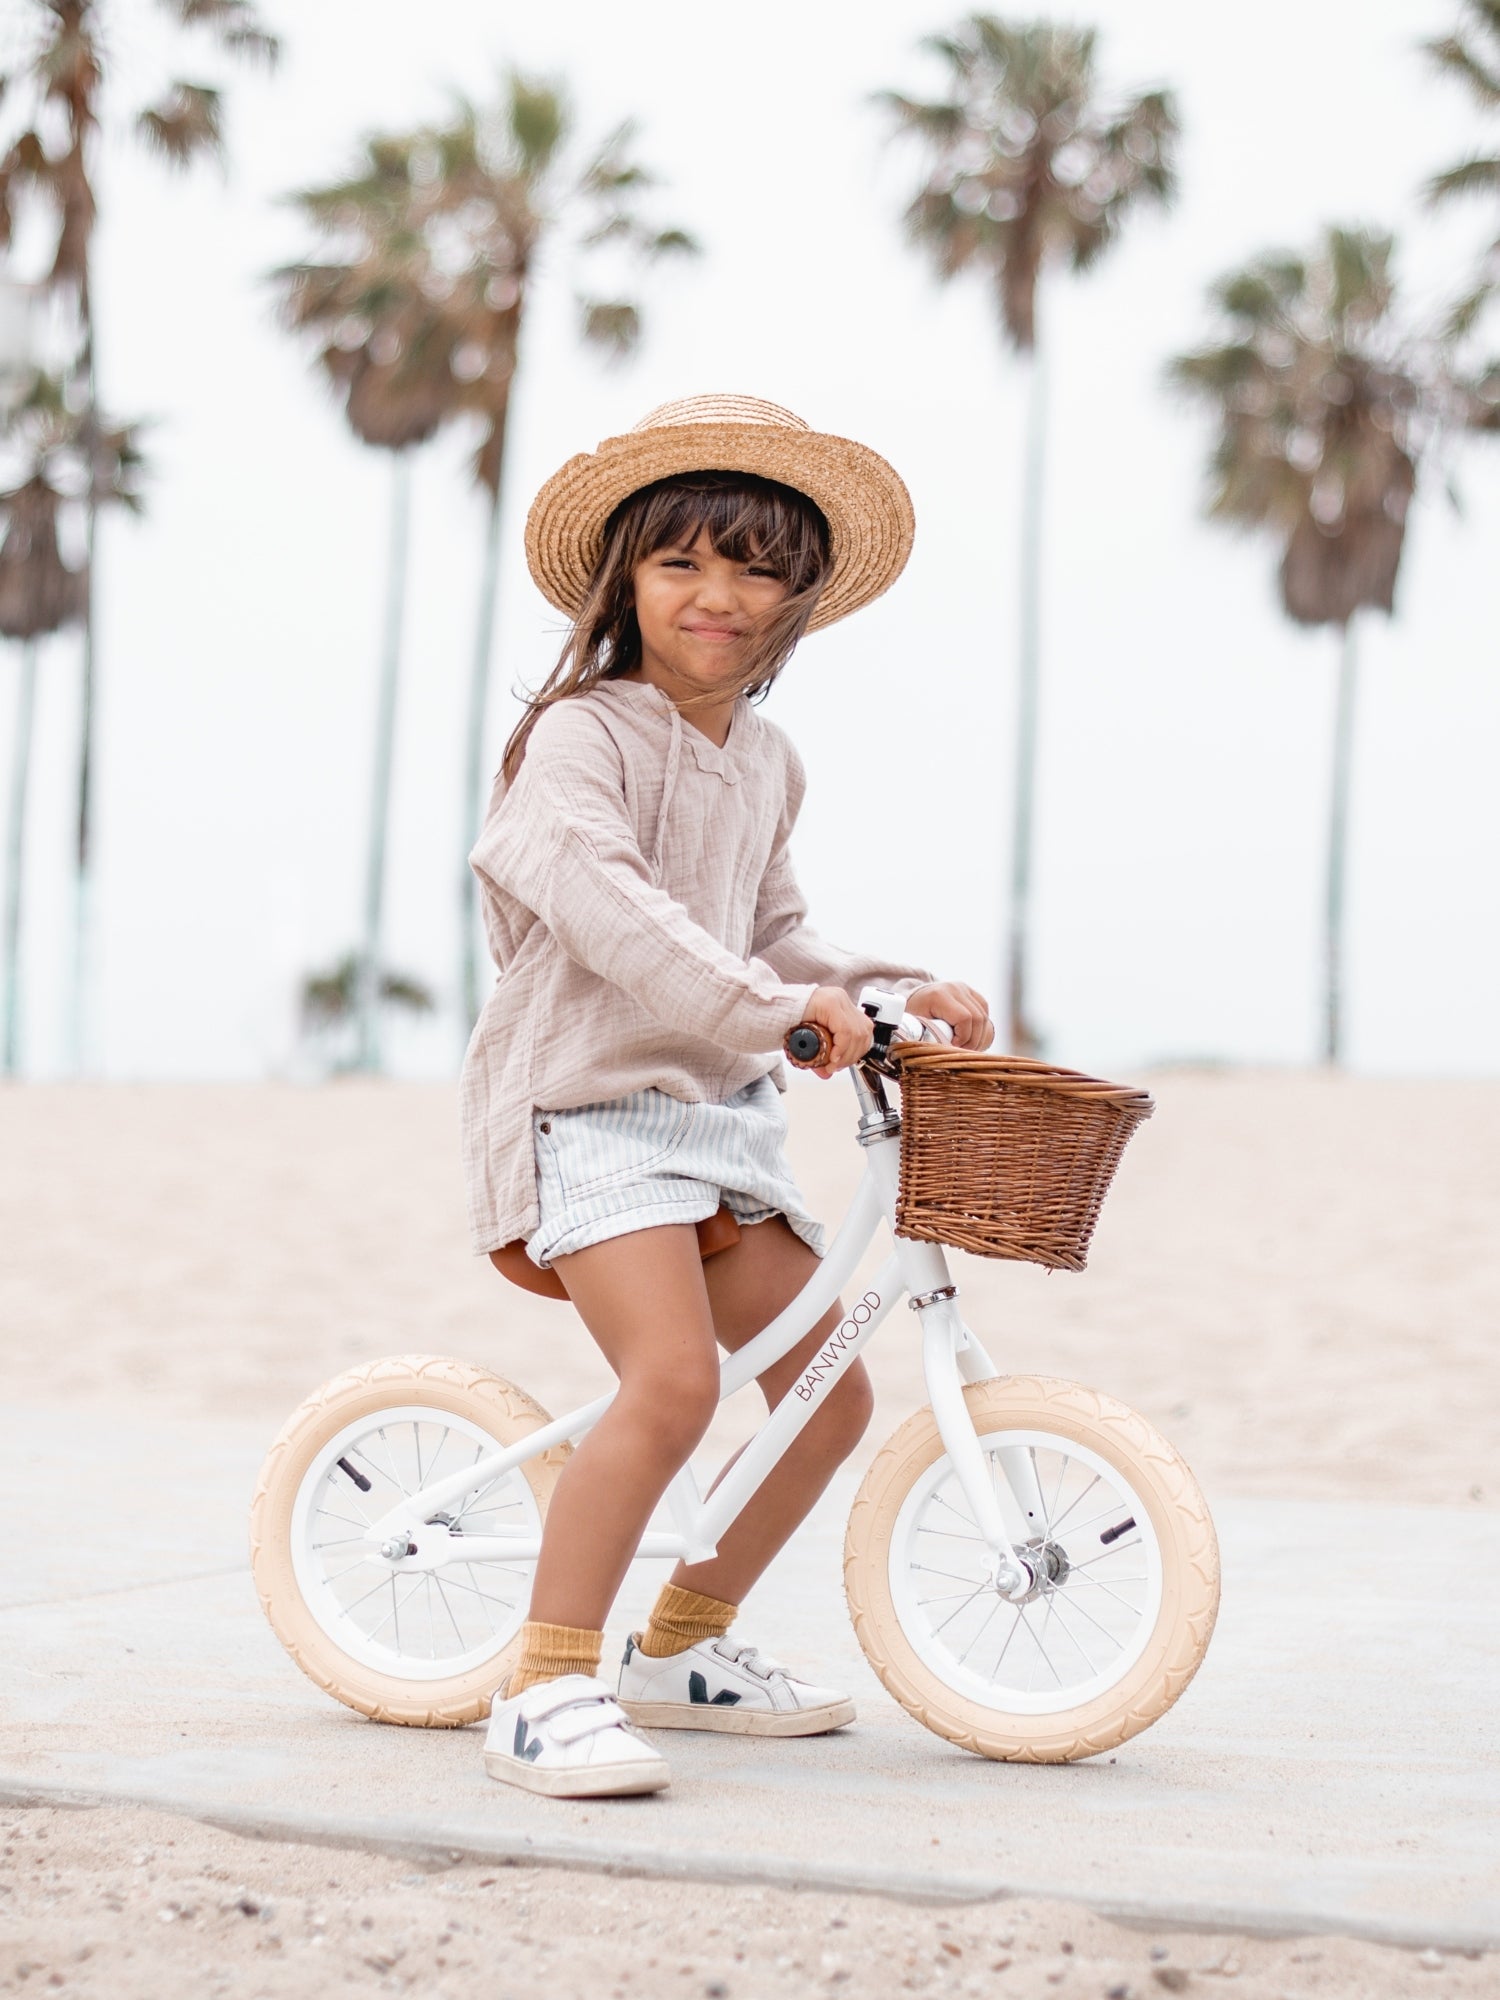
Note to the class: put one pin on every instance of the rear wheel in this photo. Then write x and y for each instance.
(1126, 1563)
(398, 1642)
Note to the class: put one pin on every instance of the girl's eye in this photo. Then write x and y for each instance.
(762, 571)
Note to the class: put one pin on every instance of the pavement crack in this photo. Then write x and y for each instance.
(121, 1589)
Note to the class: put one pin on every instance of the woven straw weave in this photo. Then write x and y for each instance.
(1007, 1157)
(864, 499)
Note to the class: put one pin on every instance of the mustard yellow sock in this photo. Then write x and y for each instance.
(550, 1650)
(680, 1618)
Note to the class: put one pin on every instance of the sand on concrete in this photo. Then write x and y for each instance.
(128, 1904)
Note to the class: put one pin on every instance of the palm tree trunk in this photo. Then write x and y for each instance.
(1338, 838)
(1023, 1037)
(368, 1057)
(15, 847)
(83, 878)
(479, 689)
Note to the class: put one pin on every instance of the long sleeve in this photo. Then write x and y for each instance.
(560, 841)
(789, 945)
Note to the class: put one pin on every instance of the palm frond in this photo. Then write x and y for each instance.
(538, 116)
(233, 23)
(1464, 315)
(1479, 175)
(942, 121)
(185, 123)
(1452, 54)
(611, 324)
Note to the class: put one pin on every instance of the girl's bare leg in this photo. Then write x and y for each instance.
(642, 1297)
(748, 1285)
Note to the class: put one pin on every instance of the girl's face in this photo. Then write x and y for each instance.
(697, 609)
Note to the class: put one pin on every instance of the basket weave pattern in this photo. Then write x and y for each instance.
(1005, 1156)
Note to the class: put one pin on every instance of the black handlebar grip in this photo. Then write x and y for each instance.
(809, 1047)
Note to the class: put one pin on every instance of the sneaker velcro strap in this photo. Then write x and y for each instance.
(547, 1697)
(585, 1718)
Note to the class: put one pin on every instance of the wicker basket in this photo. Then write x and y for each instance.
(1004, 1156)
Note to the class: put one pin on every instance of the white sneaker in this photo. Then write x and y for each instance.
(720, 1684)
(571, 1739)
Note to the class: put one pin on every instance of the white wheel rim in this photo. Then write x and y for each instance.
(1080, 1636)
(415, 1625)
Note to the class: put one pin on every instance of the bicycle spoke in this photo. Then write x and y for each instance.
(1093, 1583)
(1037, 1642)
(1095, 1481)
(1016, 1623)
(448, 1608)
(1072, 1639)
(953, 1614)
(1051, 1510)
(390, 1459)
(958, 1514)
(1105, 1554)
(988, 1619)
(947, 1575)
(1093, 1621)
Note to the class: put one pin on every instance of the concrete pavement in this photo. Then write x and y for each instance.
(1334, 1767)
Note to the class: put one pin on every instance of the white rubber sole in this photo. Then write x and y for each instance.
(738, 1721)
(586, 1781)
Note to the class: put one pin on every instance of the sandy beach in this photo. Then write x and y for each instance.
(1297, 1277)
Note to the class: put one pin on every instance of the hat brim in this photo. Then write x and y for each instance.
(869, 511)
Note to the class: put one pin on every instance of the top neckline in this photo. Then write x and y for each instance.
(708, 755)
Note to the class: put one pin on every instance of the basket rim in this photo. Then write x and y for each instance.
(1027, 1072)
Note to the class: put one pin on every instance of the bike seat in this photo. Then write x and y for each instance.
(715, 1232)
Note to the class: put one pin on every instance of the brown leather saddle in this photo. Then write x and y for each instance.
(715, 1232)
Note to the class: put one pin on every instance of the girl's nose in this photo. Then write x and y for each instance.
(716, 594)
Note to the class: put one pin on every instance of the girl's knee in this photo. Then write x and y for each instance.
(676, 1407)
(850, 1407)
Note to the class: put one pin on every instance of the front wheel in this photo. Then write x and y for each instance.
(391, 1639)
(1126, 1562)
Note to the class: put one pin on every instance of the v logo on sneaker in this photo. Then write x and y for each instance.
(530, 1751)
(698, 1692)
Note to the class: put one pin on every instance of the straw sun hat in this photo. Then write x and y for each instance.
(868, 507)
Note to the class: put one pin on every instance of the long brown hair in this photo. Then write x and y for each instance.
(748, 519)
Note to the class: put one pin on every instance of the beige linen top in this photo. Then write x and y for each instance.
(640, 904)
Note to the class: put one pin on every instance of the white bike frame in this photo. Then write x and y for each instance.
(951, 1357)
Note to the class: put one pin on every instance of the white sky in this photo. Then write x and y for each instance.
(1185, 724)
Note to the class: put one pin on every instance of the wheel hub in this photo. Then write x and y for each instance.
(1049, 1567)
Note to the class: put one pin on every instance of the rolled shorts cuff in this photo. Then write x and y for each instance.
(638, 1211)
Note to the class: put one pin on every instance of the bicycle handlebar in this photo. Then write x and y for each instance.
(808, 1046)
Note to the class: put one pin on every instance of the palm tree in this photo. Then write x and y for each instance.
(52, 164)
(1026, 168)
(392, 350)
(1472, 54)
(332, 1000)
(510, 185)
(1325, 406)
(40, 593)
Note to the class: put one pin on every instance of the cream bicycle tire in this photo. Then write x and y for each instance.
(907, 1652)
(480, 1408)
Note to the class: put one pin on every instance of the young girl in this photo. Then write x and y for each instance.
(624, 1080)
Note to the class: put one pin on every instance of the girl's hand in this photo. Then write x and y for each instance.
(960, 1006)
(849, 1027)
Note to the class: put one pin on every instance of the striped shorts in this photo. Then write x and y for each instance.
(649, 1158)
